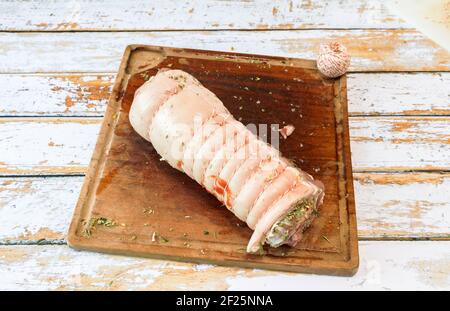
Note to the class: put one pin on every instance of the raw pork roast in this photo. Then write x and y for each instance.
(193, 131)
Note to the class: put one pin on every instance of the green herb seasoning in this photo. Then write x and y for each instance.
(180, 79)
(283, 228)
(163, 239)
(97, 221)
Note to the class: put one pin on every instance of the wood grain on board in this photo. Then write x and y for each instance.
(385, 265)
(378, 144)
(80, 95)
(113, 15)
(371, 49)
(390, 205)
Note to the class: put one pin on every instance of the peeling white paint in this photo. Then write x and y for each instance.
(396, 206)
(19, 50)
(197, 14)
(37, 208)
(68, 95)
(399, 93)
(47, 144)
(400, 143)
(383, 266)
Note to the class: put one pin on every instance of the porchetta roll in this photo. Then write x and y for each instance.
(193, 131)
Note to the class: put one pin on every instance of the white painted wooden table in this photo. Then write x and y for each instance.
(57, 64)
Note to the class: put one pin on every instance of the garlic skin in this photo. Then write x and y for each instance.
(333, 60)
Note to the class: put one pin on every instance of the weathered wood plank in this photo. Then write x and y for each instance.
(384, 266)
(404, 205)
(399, 94)
(33, 209)
(371, 50)
(87, 94)
(65, 145)
(57, 95)
(202, 15)
(389, 205)
(400, 143)
(48, 146)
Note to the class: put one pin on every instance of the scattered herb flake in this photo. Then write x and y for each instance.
(163, 239)
(148, 211)
(97, 221)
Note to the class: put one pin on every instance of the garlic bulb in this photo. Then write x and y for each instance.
(333, 60)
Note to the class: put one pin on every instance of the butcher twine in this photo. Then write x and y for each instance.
(333, 60)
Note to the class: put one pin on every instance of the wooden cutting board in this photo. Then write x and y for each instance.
(134, 204)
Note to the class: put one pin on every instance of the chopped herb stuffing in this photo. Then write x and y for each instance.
(286, 226)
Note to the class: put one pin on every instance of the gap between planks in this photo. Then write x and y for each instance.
(202, 30)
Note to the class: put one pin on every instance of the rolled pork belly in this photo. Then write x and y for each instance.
(192, 130)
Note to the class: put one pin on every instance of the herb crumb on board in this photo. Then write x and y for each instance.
(96, 221)
(156, 237)
(326, 239)
(148, 211)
